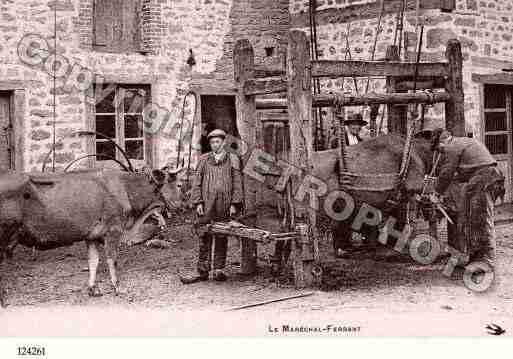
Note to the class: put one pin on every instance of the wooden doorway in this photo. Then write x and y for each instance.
(497, 125)
(6, 131)
(217, 111)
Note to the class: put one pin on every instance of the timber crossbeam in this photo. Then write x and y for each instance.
(334, 69)
(328, 100)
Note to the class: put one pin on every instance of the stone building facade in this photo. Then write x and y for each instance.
(141, 49)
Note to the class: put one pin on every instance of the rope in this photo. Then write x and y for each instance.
(399, 27)
(314, 55)
(54, 124)
(89, 133)
(348, 55)
(378, 31)
(104, 157)
(407, 147)
(193, 125)
(181, 124)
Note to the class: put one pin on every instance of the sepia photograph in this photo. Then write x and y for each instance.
(272, 169)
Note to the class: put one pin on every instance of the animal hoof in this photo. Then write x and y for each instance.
(115, 289)
(94, 291)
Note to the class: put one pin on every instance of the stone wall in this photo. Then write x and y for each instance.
(169, 29)
(483, 27)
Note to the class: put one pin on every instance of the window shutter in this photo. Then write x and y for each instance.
(130, 24)
(101, 32)
(118, 25)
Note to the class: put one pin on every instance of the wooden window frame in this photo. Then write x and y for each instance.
(119, 116)
(508, 110)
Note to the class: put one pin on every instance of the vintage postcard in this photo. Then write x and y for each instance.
(257, 168)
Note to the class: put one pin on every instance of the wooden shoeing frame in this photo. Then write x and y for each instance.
(296, 82)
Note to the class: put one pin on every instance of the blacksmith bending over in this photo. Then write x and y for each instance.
(217, 195)
(468, 172)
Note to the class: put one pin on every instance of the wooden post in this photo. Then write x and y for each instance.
(396, 121)
(243, 60)
(299, 98)
(455, 108)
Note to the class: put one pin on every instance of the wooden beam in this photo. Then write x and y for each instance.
(261, 71)
(382, 98)
(455, 108)
(334, 68)
(396, 120)
(271, 103)
(244, 60)
(369, 10)
(327, 100)
(301, 127)
(264, 86)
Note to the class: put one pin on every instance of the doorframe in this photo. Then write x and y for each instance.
(16, 89)
(209, 90)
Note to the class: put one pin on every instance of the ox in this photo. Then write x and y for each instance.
(376, 156)
(96, 206)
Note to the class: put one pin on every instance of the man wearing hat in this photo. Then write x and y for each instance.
(217, 195)
(468, 173)
(354, 125)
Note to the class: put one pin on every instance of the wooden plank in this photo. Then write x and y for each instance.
(490, 63)
(244, 60)
(495, 79)
(368, 10)
(336, 68)
(455, 109)
(264, 86)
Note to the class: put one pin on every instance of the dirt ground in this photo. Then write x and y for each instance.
(373, 292)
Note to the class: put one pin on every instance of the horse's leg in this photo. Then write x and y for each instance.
(94, 259)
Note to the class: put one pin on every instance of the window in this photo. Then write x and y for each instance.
(117, 25)
(497, 117)
(118, 115)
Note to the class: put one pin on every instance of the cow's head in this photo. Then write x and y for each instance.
(13, 188)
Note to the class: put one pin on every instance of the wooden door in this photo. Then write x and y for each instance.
(5, 133)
